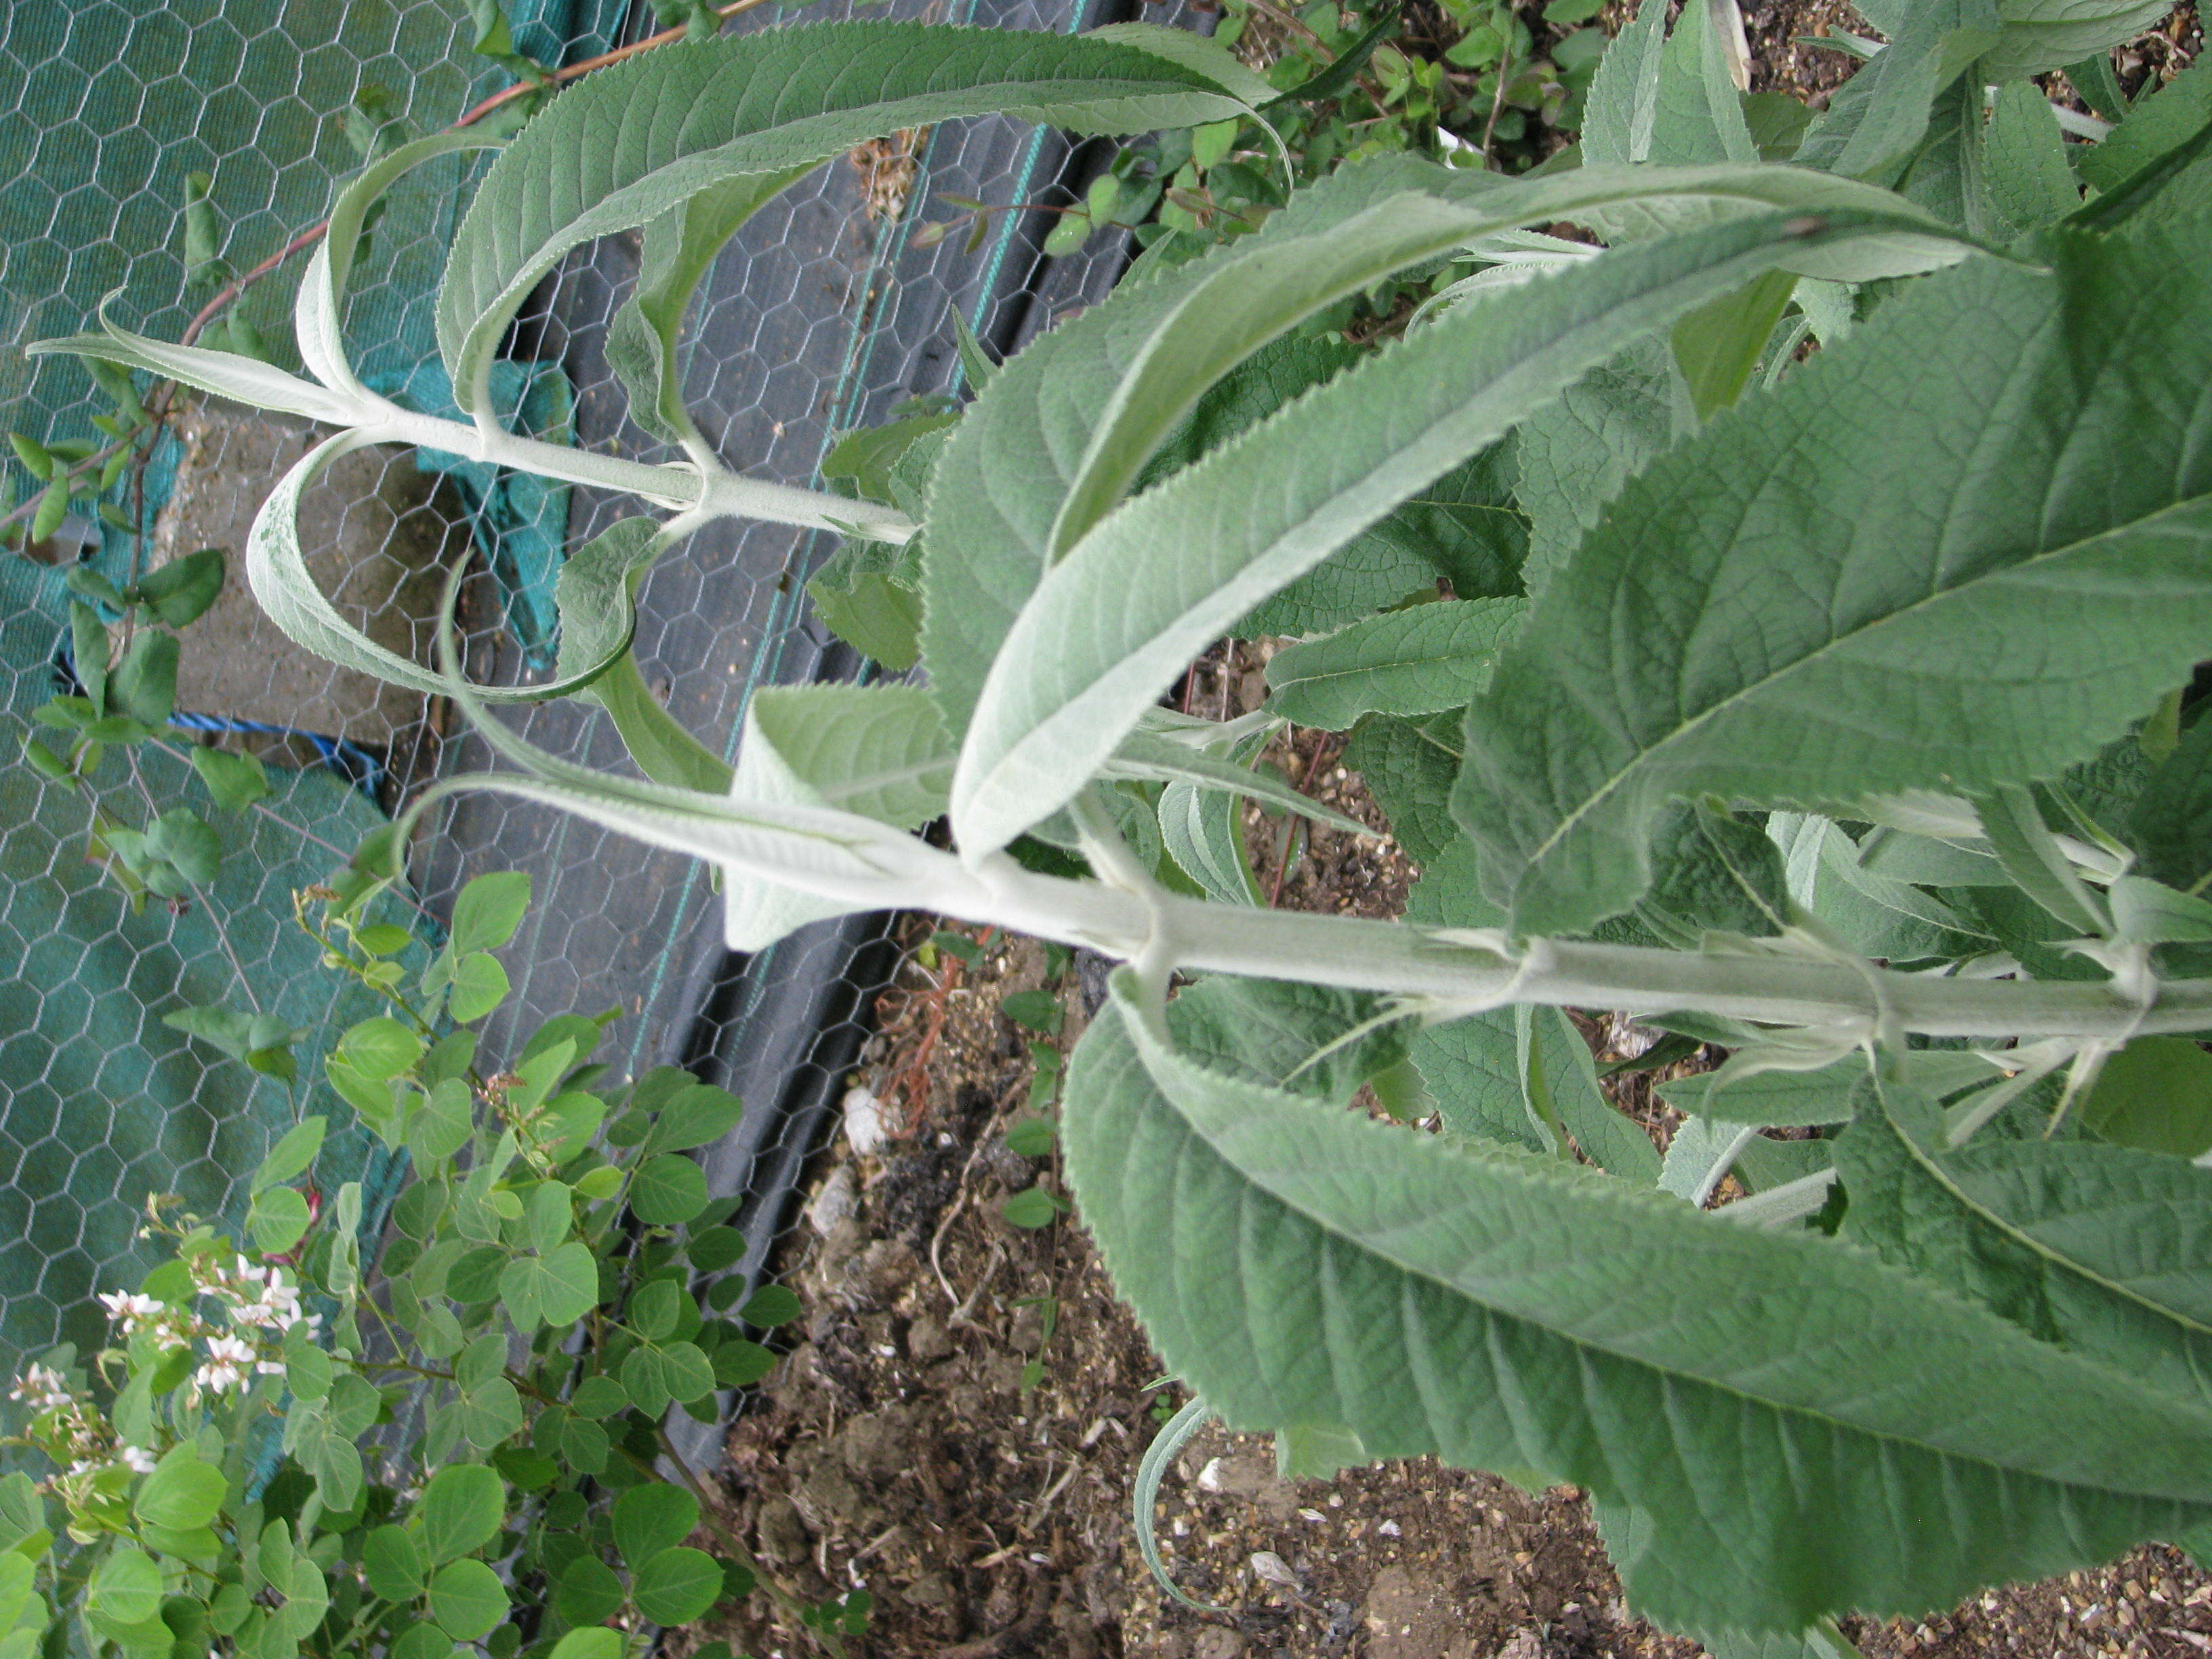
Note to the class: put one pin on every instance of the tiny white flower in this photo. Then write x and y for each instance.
(136, 1458)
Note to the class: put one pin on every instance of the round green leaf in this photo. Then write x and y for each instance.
(467, 1599)
(669, 1190)
(588, 1592)
(379, 1049)
(739, 1365)
(678, 1585)
(488, 910)
(595, 1642)
(461, 1509)
(126, 1588)
(715, 1249)
(279, 1216)
(393, 1561)
(651, 1518)
(770, 1305)
(686, 1372)
(423, 1641)
(181, 1493)
(491, 1413)
(599, 1396)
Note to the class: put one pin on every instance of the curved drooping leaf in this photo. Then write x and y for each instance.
(879, 751)
(320, 314)
(1067, 426)
(679, 247)
(1417, 661)
(1147, 758)
(1270, 284)
(1111, 625)
(1818, 1431)
(2103, 1250)
(641, 138)
(2035, 569)
(223, 373)
(595, 605)
(2038, 36)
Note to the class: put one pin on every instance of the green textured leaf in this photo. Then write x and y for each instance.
(605, 155)
(2171, 823)
(467, 1599)
(1790, 1408)
(183, 1491)
(393, 1563)
(2102, 1251)
(861, 598)
(1878, 117)
(1559, 1079)
(1417, 661)
(1798, 603)
(1066, 428)
(1698, 114)
(2155, 1095)
(2024, 160)
(651, 1518)
(1408, 767)
(1312, 1039)
(880, 750)
(1623, 104)
(1473, 1070)
(677, 249)
(462, 1509)
(1203, 831)
(2161, 123)
(678, 1585)
(1107, 627)
(125, 1588)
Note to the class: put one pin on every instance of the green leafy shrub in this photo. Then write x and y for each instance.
(1772, 612)
(296, 1444)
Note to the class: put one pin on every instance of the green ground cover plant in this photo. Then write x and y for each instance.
(299, 1443)
(1773, 610)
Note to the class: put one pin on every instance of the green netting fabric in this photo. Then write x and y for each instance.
(100, 1104)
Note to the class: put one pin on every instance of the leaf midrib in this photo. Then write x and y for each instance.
(2066, 1264)
(1820, 654)
(1592, 1346)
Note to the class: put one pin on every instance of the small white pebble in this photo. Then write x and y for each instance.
(886, 1350)
(1336, 1500)
(1388, 1530)
(864, 1120)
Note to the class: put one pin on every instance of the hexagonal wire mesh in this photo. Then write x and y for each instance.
(821, 316)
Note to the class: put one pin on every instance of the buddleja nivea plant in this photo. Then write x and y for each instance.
(1830, 706)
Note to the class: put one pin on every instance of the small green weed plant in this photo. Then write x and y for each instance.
(1772, 610)
(297, 1443)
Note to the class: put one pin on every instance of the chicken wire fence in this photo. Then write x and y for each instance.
(826, 313)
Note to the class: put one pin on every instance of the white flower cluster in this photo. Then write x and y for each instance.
(43, 1389)
(259, 1305)
(72, 1433)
